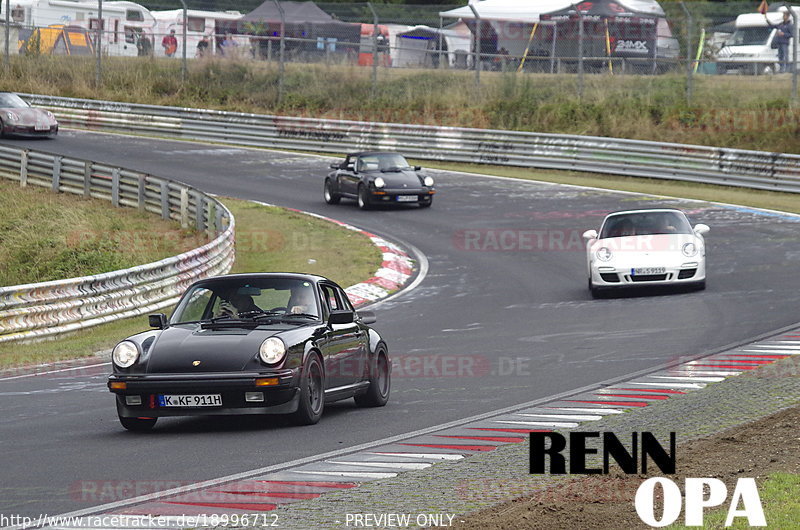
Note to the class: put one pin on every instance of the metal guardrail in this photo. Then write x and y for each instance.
(693, 163)
(49, 308)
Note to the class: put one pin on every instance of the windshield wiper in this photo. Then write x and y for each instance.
(303, 315)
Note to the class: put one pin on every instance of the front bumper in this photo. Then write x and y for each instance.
(606, 276)
(140, 396)
(29, 131)
(401, 196)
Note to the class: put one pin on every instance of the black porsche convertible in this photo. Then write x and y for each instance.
(378, 177)
(267, 343)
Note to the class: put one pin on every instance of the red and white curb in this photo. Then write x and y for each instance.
(396, 269)
(262, 491)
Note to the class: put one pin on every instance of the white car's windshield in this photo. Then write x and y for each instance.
(246, 298)
(645, 223)
(12, 101)
(749, 37)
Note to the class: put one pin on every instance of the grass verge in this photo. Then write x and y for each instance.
(268, 239)
(50, 236)
(779, 494)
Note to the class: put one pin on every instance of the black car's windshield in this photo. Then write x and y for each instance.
(252, 299)
(383, 162)
(645, 223)
(12, 101)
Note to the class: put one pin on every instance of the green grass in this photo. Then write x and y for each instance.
(268, 239)
(779, 494)
(50, 236)
(731, 111)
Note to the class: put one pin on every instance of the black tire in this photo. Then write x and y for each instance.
(595, 292)
(426, 204)
(312, 393)
(2, 129)
(380, 382)
(363, 198)
(330, 196)
(138, 424)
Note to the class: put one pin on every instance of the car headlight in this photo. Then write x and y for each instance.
(11, 116)
(689, 250)
(50, 115)
(125, 354)
(603, 254)
(428, 181)
(379, 182)
(272, 350)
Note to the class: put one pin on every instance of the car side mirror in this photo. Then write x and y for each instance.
(335, 166)
(158, 320)
(590, 234)
(341, 317)
(701, 229)
(417, 168)
(367, 317)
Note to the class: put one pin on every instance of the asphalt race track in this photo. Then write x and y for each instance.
(503, 317)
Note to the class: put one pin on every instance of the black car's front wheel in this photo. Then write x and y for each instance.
(312, 393)
(138, 424)
(363, 197)
(331, 197)
(426, 204)
(380, 382)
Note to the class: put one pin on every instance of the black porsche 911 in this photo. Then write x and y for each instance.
(267, 343)
(378, 177)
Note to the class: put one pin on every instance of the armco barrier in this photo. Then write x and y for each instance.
(710, 165)
(44, 309)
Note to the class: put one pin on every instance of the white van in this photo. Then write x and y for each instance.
(749, 50)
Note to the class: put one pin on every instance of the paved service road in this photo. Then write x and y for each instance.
(503, 317)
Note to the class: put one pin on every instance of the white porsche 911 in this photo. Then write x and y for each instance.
(645, 248)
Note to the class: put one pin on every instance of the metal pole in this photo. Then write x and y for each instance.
(441, 36)
(689, 24)
(98, 70)
(8, 29)
(185, 24)
(374, 49)
(794, 53)
(580, 52)
(282, 47)
(477, 56)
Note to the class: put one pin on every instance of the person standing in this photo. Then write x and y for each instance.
(202, 47)
(783, 36)
(170, 43)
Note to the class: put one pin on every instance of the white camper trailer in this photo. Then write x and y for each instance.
(123, 24)
(749, 50)
(212, 24)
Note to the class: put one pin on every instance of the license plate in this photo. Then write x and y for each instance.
(407, 198)
(41, 127)
(192, 400)
(647, 271)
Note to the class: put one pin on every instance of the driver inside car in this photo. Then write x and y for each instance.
(302, 301)
(237, 304)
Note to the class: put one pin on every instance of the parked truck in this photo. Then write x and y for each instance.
(749, 50)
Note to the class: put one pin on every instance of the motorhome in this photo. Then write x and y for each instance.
(213, 24)
(749, 50)
(123, 23)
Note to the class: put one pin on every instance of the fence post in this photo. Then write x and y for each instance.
(98, 73)
(164, 200)
(281, 49)
(580, 52)
(689, 24)
(115, 187)
(184, 208)
(6, 58)
(209, 219)
(56, 173)
(87, 179)
(199, 210)
(477, 57)
(183, 58)
(23, 169)
(141, 193)
(795, 38)
(374, 49)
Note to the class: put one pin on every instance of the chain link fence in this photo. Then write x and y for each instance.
(576, 44)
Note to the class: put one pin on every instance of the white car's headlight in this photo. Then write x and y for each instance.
(603, 254)
(11, 116)
(689, 250)
(125, 354)
(379, 182)
(272, 350)
(428, 181)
